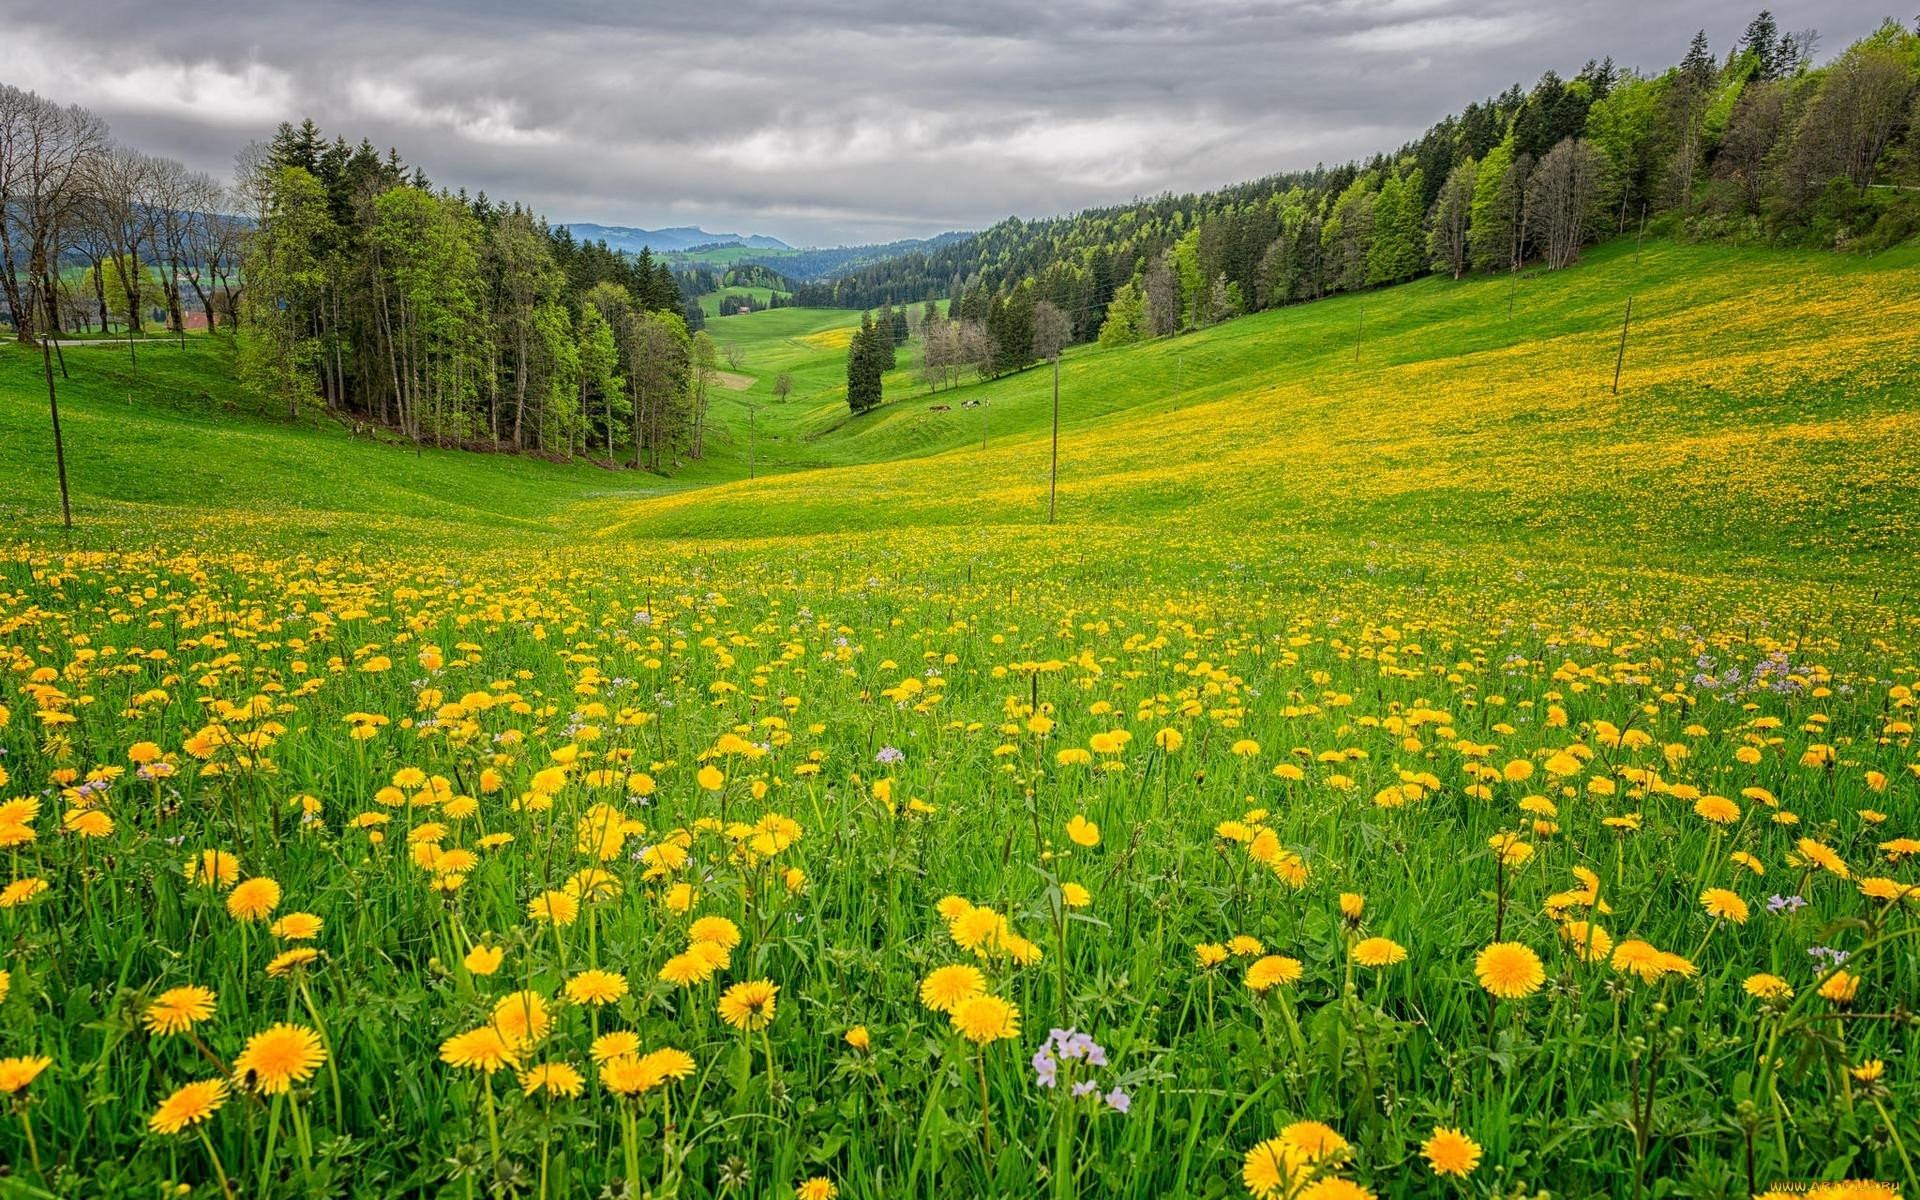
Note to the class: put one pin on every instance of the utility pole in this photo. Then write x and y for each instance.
(1053, 482)
(1621, 358)
(983, 424)
(753, 414)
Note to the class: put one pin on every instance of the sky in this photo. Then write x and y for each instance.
(827, 122)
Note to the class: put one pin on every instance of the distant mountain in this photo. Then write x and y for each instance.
(815, 265)
(684, 237)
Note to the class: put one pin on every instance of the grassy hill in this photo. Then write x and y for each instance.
(1763, 417)
(1762, 423)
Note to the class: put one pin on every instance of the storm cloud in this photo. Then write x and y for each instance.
(821, 121)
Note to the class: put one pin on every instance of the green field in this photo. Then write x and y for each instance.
(1471, 748)
(710, 302)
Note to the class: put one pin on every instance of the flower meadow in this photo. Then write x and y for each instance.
(852, 871)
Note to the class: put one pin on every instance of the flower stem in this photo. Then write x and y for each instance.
(226, 1189)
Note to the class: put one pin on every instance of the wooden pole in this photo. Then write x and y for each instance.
(1621, 358)
(59, 445)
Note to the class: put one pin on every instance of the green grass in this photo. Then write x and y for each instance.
(1340, 599)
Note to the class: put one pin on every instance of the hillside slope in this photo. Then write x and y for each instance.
(1761, 425)
(1763, 417)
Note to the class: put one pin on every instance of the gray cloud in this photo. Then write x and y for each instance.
(823, 121)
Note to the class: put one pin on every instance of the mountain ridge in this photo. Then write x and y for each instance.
(633, 239)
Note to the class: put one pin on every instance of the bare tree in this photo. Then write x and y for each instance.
(120, 200)
(46, 155)
(1754, 132)
(937, 351)
(1051, 330)
(216, 242)
(782, 387)
(1563, 195)
(170, 200)
(1163, 297)
(973, 347)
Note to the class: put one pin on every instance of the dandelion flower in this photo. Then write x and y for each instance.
(749, 1006)
(620, 1043)
(561, 908)
(189, 1105)
(687, 969)
(1724, 903)
(1317, 1140)
(628, 1077)
(717, 930)
(554, 1078)
(1451, 1152)
(482, 1049)
(669, 1063)
(1510, 970)
(280, 1057)
(214, 868)
(1763, 986)
(1840, 988)
(17, 1073)
(1272, 1168)
(859, 1038)
(177, 1010)
(522, 1017)
(985, 1018)
(945, 988)
(1378, 952)
(1272, 970)
(296, 927)
(253, 900)
(21, 890)
(979, 930)
(1717, 810)
(596, 987)
(291, 960)
(816, 1188)
(1073, 895)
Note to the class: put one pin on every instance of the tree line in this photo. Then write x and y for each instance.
(1760, 145)
(980, 337)
(458, 320)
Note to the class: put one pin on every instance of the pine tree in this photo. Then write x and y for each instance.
(864, 367)
(1762, 40)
